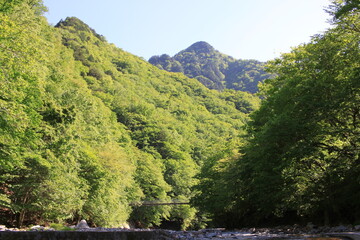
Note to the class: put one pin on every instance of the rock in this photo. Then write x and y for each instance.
(357, 227)
(325, 229)
(310, 226)
(125, 226)
(12, 229)
(37, 228)
(340, 228)
(82, 225)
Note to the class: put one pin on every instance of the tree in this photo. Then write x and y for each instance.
(300, 159)
(304, 140)
(341, 8)
(86, 129)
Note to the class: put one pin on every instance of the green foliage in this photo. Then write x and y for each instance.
(150, 177)
(163, 113)
(214, 193)
(61, 227)
(10, 6)
(245, 75)
(167, 63)
(243, 101)
(214, 69)
(300, 160)
(343, 8)
(90, 131)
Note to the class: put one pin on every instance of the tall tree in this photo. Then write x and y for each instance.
(301, 158)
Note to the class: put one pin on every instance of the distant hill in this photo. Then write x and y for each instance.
(214, 69)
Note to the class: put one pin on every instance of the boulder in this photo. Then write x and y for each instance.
(37, 228)
(340, 228)
(82, 225)
(126, 226)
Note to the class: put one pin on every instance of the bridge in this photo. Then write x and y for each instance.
(159, 203)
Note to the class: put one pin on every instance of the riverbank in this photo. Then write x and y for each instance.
(286, 232)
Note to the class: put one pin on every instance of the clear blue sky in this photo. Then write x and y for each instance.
(244, 29)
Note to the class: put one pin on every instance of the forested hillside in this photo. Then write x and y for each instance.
(90, 131)
(300, 160)
(214, 69)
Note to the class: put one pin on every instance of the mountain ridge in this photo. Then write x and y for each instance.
(214, 69)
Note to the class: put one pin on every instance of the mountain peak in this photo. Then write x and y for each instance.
(78, 25)
(214, 69)
(201, 47)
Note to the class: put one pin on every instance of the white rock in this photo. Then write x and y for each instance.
(82, 225)
(37, 228)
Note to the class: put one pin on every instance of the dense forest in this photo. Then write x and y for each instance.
(214, 69)
(299, 161)
(89, 131)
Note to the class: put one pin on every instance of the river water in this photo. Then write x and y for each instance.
(222, 234)
(161, 234)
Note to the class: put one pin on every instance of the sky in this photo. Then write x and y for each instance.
(244, 29)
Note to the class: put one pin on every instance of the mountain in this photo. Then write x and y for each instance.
(214, 69)
(90, 131)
